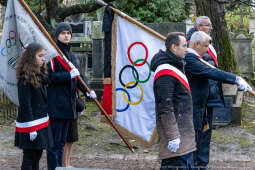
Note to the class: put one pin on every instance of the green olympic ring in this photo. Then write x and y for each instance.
(141, 81)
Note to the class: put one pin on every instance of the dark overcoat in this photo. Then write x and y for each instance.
(32, 116)
(62, 90)
(198, 75)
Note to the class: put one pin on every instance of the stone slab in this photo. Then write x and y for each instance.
(236, 116)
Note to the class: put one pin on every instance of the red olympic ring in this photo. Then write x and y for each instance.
(11, 36)
(129, 57)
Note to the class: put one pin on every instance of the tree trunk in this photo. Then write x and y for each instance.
(221, 40)
(51, 9)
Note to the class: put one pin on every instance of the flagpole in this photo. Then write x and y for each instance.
(44, 31)
(132, 20)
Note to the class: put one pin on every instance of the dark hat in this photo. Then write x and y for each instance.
(63, 26)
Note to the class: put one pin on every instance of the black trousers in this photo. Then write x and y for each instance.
(184, 162)
(31, 158)
(203, 140)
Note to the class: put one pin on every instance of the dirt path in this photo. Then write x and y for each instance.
(100, 147)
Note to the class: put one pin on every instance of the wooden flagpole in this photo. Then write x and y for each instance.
(44, 31)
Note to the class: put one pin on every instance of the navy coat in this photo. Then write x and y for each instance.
(216, 98)
(62, 89)
(198, 75)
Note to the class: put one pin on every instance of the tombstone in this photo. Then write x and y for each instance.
(189, 24)
(232, 112)
(242, 46)
(97, 58)
(252, 23)
(81, 45)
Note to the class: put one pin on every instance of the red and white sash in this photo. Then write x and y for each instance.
(62, 62)
(213, 54)
(167, 69)
(33, 125)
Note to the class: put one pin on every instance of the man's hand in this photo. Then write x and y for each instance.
(173, 145)
(242, 84)
(33, 135)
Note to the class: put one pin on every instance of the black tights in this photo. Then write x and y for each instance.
(31, 158)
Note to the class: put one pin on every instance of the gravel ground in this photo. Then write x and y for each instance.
(100, 147)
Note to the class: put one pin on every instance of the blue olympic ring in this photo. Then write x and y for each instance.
(2, 52)
(122, 110)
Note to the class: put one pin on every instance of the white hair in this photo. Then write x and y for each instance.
(199, 19)
(199, 36)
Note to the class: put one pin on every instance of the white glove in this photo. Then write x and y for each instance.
(33, 135)
(173, 145)
(74, 73)
(92, 94)
(242, 84)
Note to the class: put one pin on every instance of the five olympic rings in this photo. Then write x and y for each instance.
(9, 43)
(135, 74)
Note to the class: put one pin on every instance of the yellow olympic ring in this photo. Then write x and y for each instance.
(9, 51)
(124, 94)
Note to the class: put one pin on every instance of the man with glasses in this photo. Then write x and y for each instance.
(198, 75)
(214, 99)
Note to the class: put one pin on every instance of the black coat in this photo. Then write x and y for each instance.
(62, 89)
(198, 75)
(173, 103)
(32, 107)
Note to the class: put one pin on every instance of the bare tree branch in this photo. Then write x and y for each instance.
(3, 2)
(62, 13)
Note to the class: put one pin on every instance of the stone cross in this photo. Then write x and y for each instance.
(242, 14)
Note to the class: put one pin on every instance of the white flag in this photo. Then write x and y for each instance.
(19, 30)
(134, 99)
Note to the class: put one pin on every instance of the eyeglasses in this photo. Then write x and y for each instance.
(206, 25)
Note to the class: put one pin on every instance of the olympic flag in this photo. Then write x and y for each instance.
(19, 30)
(133, 105)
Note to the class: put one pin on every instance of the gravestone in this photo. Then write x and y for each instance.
(222, 115)
(232, 112)
(81, 45)
(97, 58)
(242, 46)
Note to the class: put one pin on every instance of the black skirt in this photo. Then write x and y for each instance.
(43, 140)
(72, 134)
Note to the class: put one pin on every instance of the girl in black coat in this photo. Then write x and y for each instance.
(32, 132)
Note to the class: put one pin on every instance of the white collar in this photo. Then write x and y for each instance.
(191, 50)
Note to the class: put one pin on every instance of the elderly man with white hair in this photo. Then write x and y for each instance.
(198, 75)
(216, 98)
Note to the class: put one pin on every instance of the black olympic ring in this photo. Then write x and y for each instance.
(130, 87)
